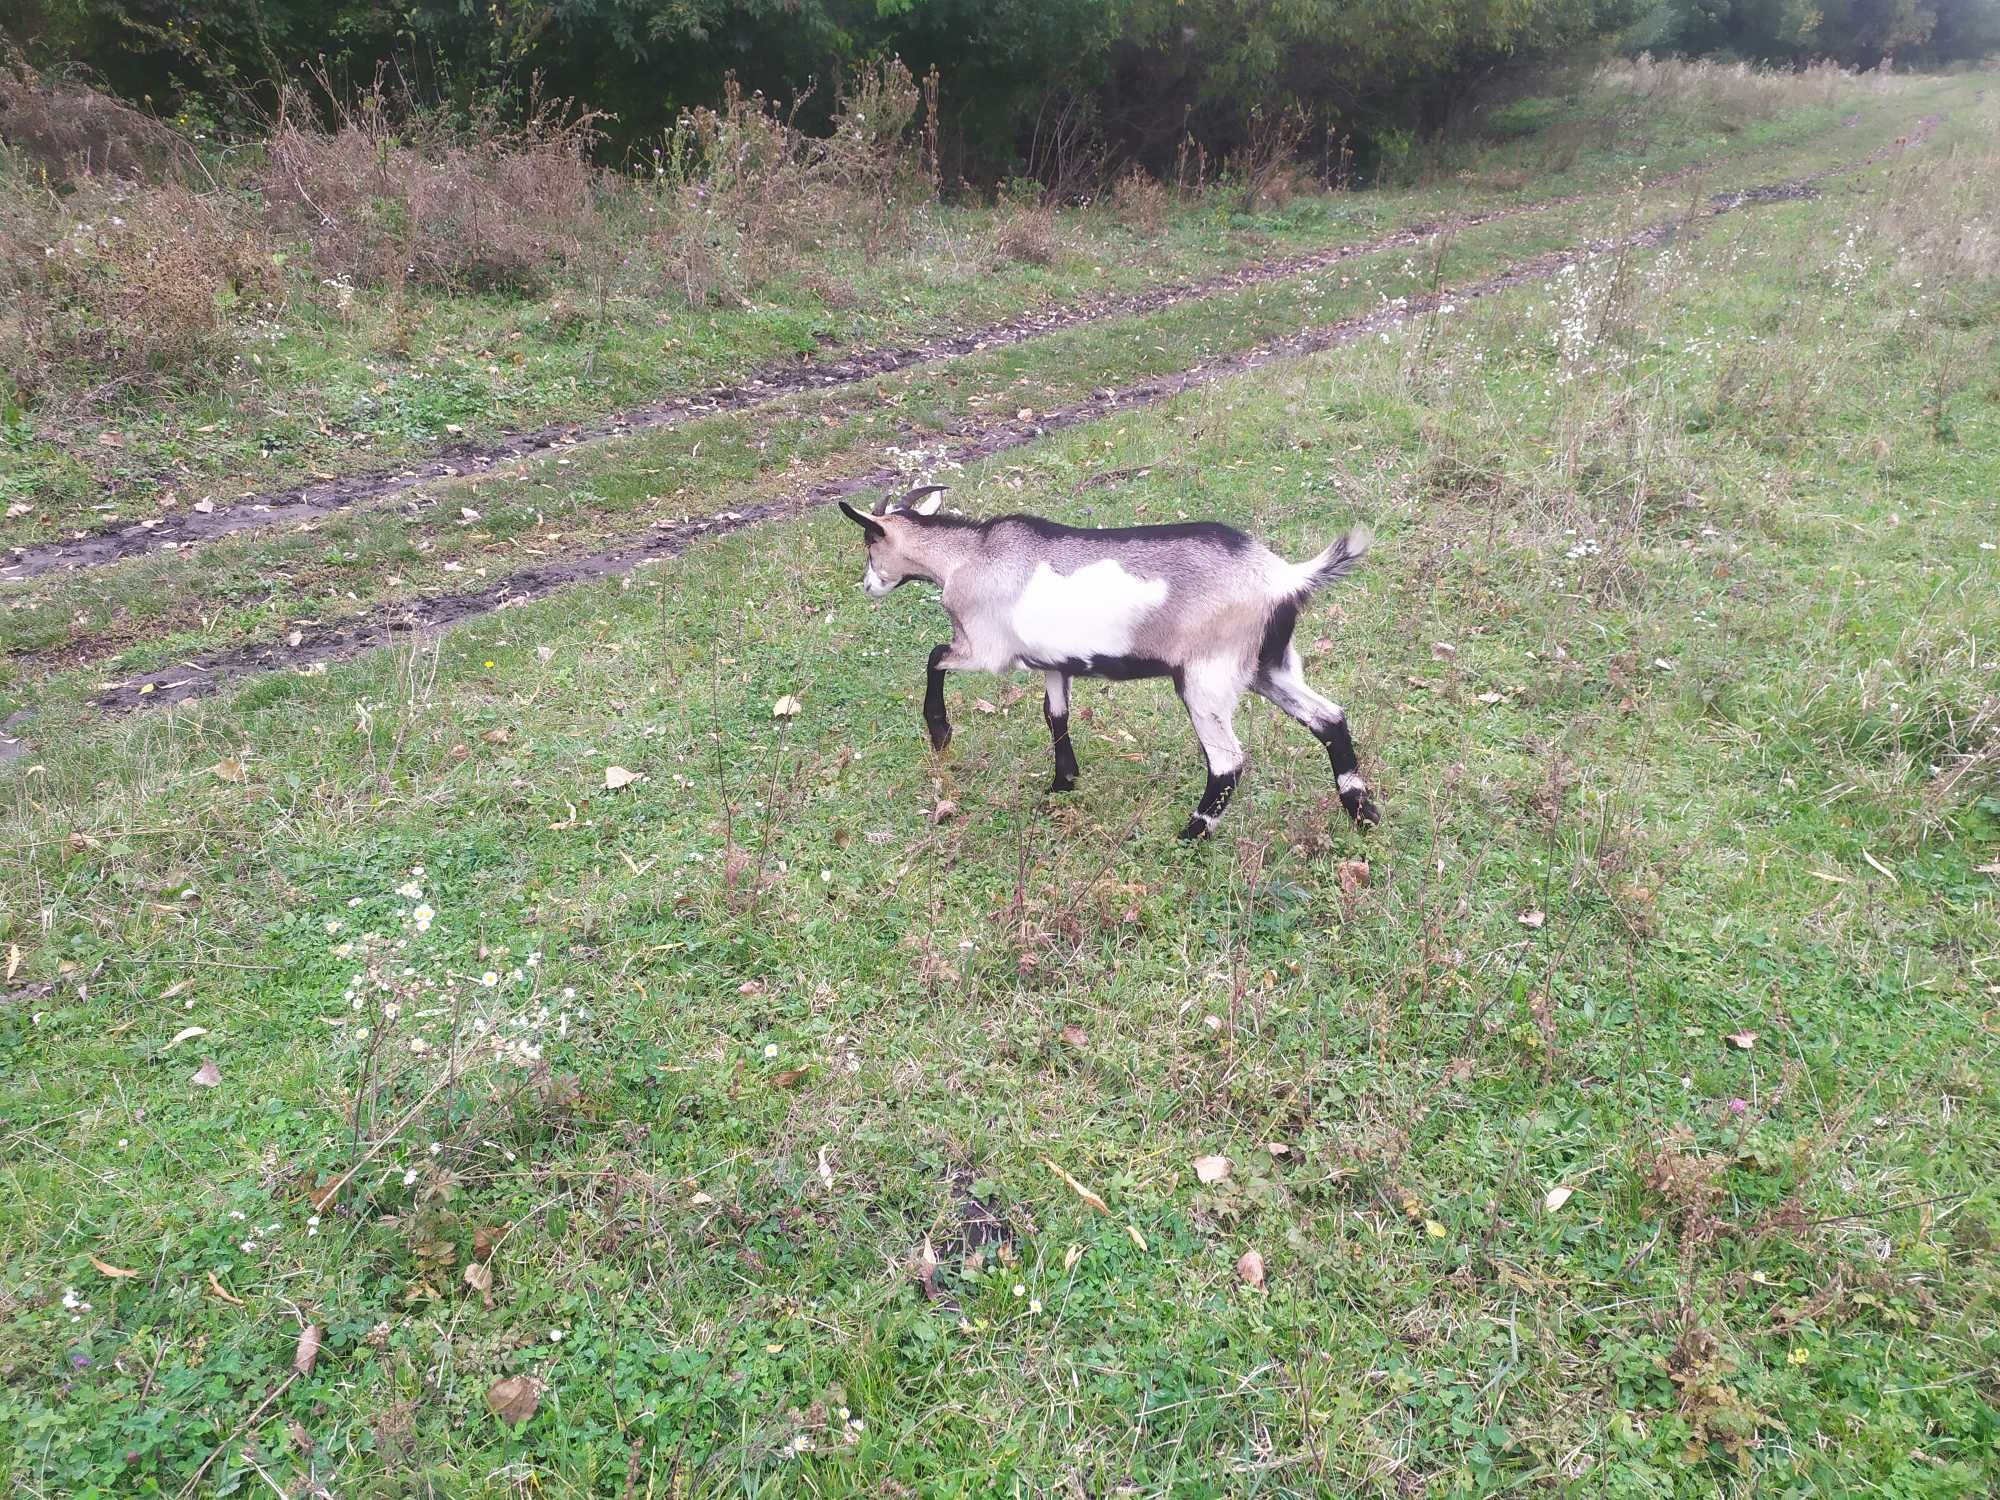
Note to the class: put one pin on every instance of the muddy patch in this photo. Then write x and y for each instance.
(407, 620)
(177, 532)
(185, 529)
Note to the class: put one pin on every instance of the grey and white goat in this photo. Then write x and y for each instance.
(1201, 603)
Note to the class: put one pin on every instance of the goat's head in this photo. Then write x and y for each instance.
(889, 530)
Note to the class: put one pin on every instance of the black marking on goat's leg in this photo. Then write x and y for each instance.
(1285, 685)
(1214, 799)
(1209, 691)
(934, 715)
(1055, 708)
(1347, 772)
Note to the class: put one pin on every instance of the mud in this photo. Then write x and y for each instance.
(185, 529)
(975, 439)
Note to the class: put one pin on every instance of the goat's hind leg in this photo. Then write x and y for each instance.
(1210, 691)
(1285, 685)
(934, 714)
(1055, 708)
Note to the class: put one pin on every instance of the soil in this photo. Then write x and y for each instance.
(976, 439)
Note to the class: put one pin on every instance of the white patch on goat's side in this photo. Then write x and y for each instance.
(1092, 612)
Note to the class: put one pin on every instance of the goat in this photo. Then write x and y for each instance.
(1199, 602)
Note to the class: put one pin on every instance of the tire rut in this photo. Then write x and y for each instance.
(407, 620)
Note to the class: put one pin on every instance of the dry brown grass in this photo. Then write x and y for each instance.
(1027, 232)
(384, 198)
(1735, 94)
(69, 132)
(1140, 200)
(123, 284)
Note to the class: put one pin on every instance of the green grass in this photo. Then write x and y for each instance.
(1677, 634)
(325, 386)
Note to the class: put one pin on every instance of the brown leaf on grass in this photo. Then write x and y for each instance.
(984, 707)
(497, 736)
(1075, 1035)
(1742, 1040)
(307, 1354)
(1532, 919)
(515, 1398)
(1078, 1188)
(1353, 875)
(1211, 1169)
(787, 707)
(116, 1273)
(1250, 1268)
(485, 1239)
(479, 1276)
(1555, 1198)
(926, 1268)
(229, 768)
(790, 1078)
(321, 1193)
(13, 959)
(223, 1292)
(617, 776)
(207, 1076)
(185, 1034)
(301, 1439)
(944, 809)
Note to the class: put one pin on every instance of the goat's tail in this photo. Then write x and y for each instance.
(1337, 561)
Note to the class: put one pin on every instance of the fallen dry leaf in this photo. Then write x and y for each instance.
(229, 768)
(479, 1276)
(515, 1398)
(116, 1273)
(1353, 874)
(208, 1075)
(1531, 919)
(497, 736)
(984, 707)
(1250, 1268)
(1489, 699)
(1555, 1198)
(13, 959)
(1137, 1238)
(927, 1269)
(1211, 1169)
(617, 776)
(1078, 1188)
(223, 1292)
(1075, 1035)
(825, 1169)
(787, 707)
(307, 1354)
(185, 1034)
(1742, 1040)
(1071, 1256)
(944, 809)
(1277, 1148)
(790, 1078)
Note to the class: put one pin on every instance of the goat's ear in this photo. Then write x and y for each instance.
(873, 529)
(926, 499)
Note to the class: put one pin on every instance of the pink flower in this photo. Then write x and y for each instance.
(1737, 1106)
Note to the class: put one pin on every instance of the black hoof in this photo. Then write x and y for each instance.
(1063, 784)
(1364, 812)
(1197, 828)
(940, 735)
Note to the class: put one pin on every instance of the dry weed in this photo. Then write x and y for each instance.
(70, 132)
(1140, 200)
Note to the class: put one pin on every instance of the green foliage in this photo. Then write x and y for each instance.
(1854, 33)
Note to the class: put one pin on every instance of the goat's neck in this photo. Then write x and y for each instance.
(942, 554)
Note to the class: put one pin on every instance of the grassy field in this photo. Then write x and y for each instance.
(525, 1062)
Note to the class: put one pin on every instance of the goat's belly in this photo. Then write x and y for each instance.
(1089, 622)
(1118, 667)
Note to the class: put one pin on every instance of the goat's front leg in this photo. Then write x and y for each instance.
(934, 715)
(1055, 708)
(1210, 693)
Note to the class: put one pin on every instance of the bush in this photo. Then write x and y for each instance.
(70, 132)
(382, 202)
(131, 283)
(1027, 234)
(1139, 200)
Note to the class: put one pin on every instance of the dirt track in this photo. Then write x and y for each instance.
(404, 620)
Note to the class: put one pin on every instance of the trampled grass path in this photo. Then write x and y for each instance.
(405, 620)
(774, 383)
